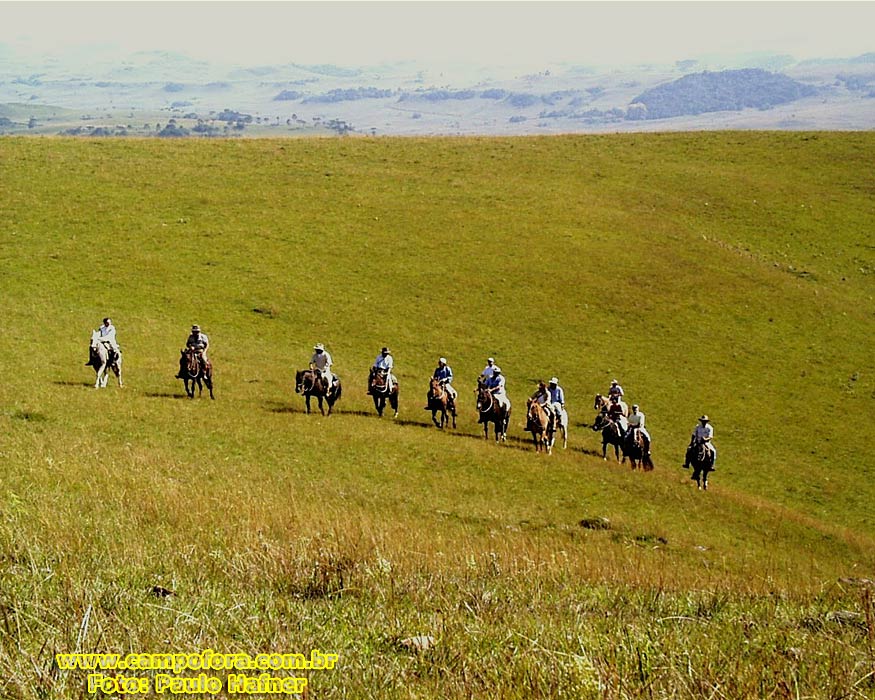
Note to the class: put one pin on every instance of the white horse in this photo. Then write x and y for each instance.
(99, 359)
(562, 415)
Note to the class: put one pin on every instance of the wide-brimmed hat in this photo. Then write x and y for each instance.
(319, 346)
(554, 380)
(386, 350)
(705, 418)
(496, 370)
(195, 328)
(442, 360)
(490, 359)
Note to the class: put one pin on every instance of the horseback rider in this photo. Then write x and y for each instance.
(384, 362)
(615, 390)
(616, 414)
(557, 396)
(636, 422)
(496, 386)
(542, 396)
(702, 433)
(321, 363)
(199, 343)
(444, 374)
(107, 337)
(488, 370)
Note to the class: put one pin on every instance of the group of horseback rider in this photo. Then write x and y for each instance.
(550, 395)
(618, 412)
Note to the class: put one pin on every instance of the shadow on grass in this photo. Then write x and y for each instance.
(523, 443)
(164, 395)
(60, 383)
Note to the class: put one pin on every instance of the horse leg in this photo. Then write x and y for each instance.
(321, 408)
(393, 401)
(118, 373)
(378, 405)
(605, 450)
(307, 402)
(435, 420)
(208, 380)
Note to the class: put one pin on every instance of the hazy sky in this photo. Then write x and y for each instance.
(498, 33)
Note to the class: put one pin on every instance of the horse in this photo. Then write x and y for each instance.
(562, 426)
(492, 412)
(633, 448)
(378, 388)
(439, 401)
(701, 458)
(541, 425)
(194, 370)
(99, 358)
(309, 382)
(612, 434)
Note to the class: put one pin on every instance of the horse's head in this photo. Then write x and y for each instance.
(601, 420)
(192, 361)
(434, 388)
(599, 402)
(484, 398)
(299, 381)
(95, 339)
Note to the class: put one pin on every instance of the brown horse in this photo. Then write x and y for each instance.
(378, 388)
(194, 370)
(311, 383)
(634, 449)
(491, 411)
(612, 433)
(439, 401)
(541, 425)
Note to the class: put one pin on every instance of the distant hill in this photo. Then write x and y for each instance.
(719, 91)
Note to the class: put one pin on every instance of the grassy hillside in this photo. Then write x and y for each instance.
(721, 273)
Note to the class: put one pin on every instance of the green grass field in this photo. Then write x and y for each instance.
(727, 273)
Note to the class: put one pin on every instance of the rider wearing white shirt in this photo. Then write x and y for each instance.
(615, 390)
(384, 362)
(496, 385)
(636, 420)
(321, 362)
(107, 335)
(198, 341)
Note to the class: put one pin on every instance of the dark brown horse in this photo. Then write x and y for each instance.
(612, 433)
(701, 458)
(311, 383)
(491, 411)
(439, 401)
(541, 424)
(634, 448)
(378, 388)
(194, 370)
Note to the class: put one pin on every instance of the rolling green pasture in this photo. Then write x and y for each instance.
(726, 273)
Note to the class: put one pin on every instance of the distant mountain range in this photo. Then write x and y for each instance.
(147, 92)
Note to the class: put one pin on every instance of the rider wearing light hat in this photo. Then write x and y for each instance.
(321, 362)
(636, 420)
(496, 385)
(486, 374)
(444, 374)
(383, 362)
(704, 432)
(198, 342)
